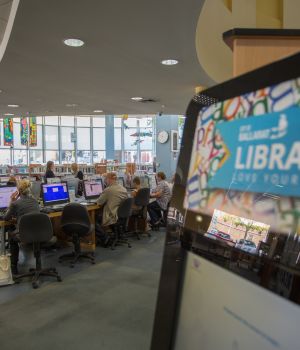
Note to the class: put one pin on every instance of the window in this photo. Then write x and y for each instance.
(51, 137)
(52, 155)
(20, 157)
(67, 121)
(99, 138)
(66, 138)
(4, 156)
(36, 157)
(118, 138)
(98, 156)
(99, 122)
(52, 120)
(83, 139)
(83, 121)
(117, 122)
(84, 157)
(67, 157)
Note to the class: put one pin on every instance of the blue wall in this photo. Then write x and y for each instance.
(109, 137)
(164, 156)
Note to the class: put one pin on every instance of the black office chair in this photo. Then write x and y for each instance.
(140, 212)
(75, 222)
(119, 228)
(36, 228)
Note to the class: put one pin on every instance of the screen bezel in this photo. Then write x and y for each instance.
(174, 258)
(84, 191)
(47, 204)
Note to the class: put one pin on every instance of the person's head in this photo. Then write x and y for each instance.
(161, 176)
(12, 180)
(136, 182)
(74, 167)
(111, 178)
(24, 187)
(50, 165)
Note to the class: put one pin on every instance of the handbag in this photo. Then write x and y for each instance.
(5, 270)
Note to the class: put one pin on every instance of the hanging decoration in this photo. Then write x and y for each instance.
(24, 131)
(32, 132)
(8, 129)
(125, 116)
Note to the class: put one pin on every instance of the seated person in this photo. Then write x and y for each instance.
(50, 170)
(162, 193)
(12, 181)
(78, 174)
(110, 200)
(136, 182)
(21, 203)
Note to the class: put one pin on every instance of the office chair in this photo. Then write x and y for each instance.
(140, 201)
(119, 228)
(36, 228)
(75, 222)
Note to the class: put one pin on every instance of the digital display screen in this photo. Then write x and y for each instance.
(55, 193)
(5, 194)
(92, 189)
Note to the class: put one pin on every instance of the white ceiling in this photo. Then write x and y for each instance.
(125, 40)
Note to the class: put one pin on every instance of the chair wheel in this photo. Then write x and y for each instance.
(31, 270)
(35, 285)
(59, 279)
(93, 262)
(72, 265)
(60, 261)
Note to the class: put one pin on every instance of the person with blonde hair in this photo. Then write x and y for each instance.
(21, 203)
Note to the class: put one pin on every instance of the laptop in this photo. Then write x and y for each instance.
(5, 194)
(92, 190)
(55, 196)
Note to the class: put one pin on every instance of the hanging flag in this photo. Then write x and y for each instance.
(32, 132)
(24, 131)
(8, 128)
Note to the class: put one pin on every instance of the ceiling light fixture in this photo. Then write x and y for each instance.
(13, 106)
(137, 98)
(98, 111)
(71, 105)
(8, 114)
(169, 62)
(73, 42)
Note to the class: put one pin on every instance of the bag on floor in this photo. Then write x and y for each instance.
(5, 270)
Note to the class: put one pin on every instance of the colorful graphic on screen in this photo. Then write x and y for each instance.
(8, 130)
(24, 131)
(32, 132)
(246, 157)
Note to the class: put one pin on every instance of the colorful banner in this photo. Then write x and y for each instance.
(262, 154)
(8, 130)
(248, 165)
(32, 132)
(24, 131)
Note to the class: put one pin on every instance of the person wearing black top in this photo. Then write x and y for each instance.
(77, 173)
(49, 170)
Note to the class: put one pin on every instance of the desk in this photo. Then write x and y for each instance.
(89, 242)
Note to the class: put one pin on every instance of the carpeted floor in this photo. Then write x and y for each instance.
(109, 305)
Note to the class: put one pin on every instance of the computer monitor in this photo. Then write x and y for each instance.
(92, 189)
(232, 282)
(5, 194)
(56, 193)
(121, 181)
(36, 189)
(53, 180)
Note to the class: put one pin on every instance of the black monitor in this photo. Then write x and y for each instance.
(56, 193)
(232, 279)
(92, 189)
(121, 181)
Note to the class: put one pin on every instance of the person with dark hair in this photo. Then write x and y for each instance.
(76, 172)
(49, 170)
(162, 194)
(21, 203)
(137, 186)
(12, 181)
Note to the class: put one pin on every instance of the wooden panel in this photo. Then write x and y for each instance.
(250, 53)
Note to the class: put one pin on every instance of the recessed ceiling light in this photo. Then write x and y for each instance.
(73, 42)
(169, 62)
(137, 98)
(13, 106)
(71, 105)
(8, 114)
(98, 111)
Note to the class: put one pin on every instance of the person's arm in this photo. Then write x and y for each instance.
(157, 192)
(103, 198)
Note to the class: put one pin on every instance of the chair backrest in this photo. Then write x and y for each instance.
(75, 219)
(142, 197)
(125, 209)
(35, 227)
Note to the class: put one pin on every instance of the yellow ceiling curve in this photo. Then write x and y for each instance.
(218, 16)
